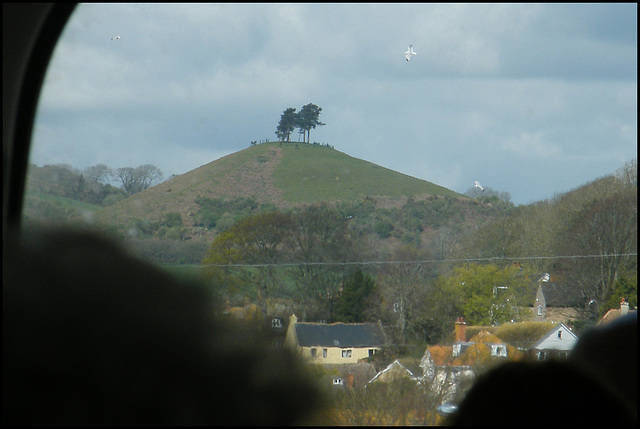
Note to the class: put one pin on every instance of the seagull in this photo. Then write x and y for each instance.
(478, 185)
(115, 37)
(409, 52)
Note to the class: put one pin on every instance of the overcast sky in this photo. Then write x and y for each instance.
(529, 99)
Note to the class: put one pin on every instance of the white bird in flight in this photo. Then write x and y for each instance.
(115, 37)
(409, 53)
(478, 185)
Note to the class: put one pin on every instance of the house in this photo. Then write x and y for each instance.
(555, 301)
(395, 370)
(351, 375)
(557, 343)
(448, 370)
(335, 343)
(615, 313)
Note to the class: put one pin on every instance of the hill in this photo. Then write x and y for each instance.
(54, 208)
(282, 175)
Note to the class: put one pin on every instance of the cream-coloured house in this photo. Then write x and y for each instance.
(335, 343)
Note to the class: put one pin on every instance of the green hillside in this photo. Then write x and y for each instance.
(55, 208)
(280, 174)
(313, 173)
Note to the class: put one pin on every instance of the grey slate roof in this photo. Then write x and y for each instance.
(561, 295)
(339, 335)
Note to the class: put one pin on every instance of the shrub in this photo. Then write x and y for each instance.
(172, 219)
(383, 228)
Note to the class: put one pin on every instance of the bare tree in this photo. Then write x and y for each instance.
(148, 175)
(137, 179)
(98, 173)
(607, 229)
(403, 287)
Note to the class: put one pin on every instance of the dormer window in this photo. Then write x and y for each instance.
(456, 349)
(499, 350)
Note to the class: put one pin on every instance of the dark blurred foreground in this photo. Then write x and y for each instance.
(597, 385)
(93, 336)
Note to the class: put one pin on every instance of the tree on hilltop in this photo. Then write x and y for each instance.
(308, 118)
(288, 122)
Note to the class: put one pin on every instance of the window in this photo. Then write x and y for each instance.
(539, 310)
(499, 350)
(276, 322)
(559, 335)
(346, 353)
(313, 352)
(457, 349)
(324, 353)
(372, 352)
(338, 381)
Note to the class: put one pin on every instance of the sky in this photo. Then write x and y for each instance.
(529, 99)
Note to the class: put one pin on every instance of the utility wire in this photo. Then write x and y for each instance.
(426, 261)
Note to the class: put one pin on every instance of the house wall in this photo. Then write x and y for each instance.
(448, 381)
(565, 342)
(334, 354)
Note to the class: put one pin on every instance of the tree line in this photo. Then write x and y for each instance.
(92, 184)
(305, 120)
(133, 180)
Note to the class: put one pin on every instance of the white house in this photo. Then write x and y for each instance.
(557, 343)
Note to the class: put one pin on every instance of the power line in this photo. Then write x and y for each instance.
(425, 261)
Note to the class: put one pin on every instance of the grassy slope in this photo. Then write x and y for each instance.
(282, 174)
(314, 173)
(63, 202)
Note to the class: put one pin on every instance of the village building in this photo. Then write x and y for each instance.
(341, 348)
(616, 313)
(395, 370)
(556, 344)
(335, 343)
(555, 301)
(449, 370)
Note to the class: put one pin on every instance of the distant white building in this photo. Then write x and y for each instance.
(557, 343)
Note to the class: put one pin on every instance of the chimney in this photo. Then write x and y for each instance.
(460, 330)
(624, 307)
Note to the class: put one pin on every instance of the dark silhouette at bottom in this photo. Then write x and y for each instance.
(597, 385)
(94, 336)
